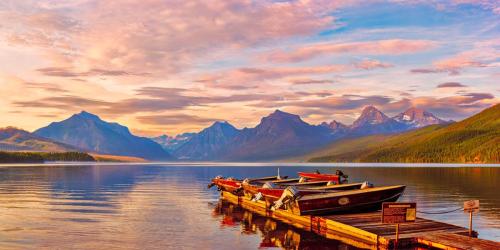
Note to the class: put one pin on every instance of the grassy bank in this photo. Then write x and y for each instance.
(116, 158)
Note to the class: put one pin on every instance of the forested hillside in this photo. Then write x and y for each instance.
(476, 139)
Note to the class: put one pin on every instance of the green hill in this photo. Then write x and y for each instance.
(473, 140)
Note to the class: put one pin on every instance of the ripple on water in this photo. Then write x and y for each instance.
(158, 207)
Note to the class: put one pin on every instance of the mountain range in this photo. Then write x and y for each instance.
(278, 135)
(90, 133)
(282, 134)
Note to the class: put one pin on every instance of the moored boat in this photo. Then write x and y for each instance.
(252, 188)
(360, 200)
(235, 186)
(275, 193)
(338, 177)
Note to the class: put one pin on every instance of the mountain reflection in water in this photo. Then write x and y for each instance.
(164, 206)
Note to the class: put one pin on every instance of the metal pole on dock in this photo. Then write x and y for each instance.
(397, 237)
(470, 223)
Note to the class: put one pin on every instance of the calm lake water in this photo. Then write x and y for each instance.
(168, 206)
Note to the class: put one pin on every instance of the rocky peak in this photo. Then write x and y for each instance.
(335, 126)
(418, 118)
(370, 115)
(87, 115)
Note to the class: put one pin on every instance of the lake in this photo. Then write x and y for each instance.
(159, 206)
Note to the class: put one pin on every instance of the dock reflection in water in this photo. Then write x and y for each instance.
(274, 234)
(164, 206)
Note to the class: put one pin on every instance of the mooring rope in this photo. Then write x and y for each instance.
(445, 212)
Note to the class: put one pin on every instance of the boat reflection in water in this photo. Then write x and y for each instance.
(273, 233)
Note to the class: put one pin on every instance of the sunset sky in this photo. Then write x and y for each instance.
(168, 66)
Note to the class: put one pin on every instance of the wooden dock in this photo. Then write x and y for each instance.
(365, 230)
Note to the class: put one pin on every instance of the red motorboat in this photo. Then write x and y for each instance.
(338, 177)
(235, 186)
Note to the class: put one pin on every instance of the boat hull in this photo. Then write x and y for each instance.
(227, 185)
(323, 177)
(346, 202)
(275, 193)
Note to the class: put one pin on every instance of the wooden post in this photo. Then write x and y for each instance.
(397, 237)
(470, 223)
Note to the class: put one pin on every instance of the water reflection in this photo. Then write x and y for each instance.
(273, 233)
(165, 206)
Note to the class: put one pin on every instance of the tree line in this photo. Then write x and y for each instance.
(40, 157)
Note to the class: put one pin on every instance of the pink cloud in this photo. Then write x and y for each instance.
(249, 77)
(483, 54)
(242, 78)
(158, 36)
(392, 46)
(368, 64)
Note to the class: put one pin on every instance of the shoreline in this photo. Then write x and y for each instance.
(256, 164)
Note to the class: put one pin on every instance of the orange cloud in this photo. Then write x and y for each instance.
(242, 78)
(392, 46)
(125, 35)
(250, 77)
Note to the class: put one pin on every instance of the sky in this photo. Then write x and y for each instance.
(173, 66)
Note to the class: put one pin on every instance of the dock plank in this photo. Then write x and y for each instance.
(450, 241)
(364, 229)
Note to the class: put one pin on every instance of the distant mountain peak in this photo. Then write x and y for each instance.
(16, 139)
(370, 115)
(370, 109)
(10, 131)
(281, 115)
(334, 125)
(88, 115)
(221, 123)
(416, 118)
(207, 143)
(278, 112)
(87, 131)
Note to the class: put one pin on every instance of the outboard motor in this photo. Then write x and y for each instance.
(302, 180)
(268, 185)
(289, 194)
(257, 197)
(366, 185)
(331, 183)
(341, 175)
